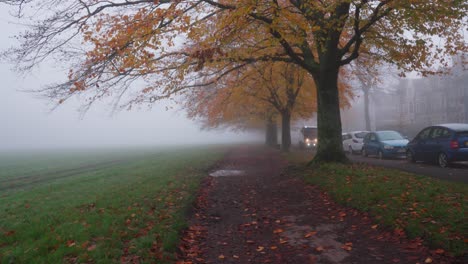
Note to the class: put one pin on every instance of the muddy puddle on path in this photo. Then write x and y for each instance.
(227, 173)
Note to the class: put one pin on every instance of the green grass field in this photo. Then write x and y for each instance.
(97, 206)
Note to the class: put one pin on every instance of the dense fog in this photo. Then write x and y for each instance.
(28, 122)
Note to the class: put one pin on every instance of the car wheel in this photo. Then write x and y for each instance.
(351, 151)
(380, 154)
(364, 152)
(410, 156)
(443, 160)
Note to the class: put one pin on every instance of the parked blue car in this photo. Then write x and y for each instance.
(385, 144)
(441, 143)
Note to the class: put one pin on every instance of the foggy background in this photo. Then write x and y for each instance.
(406, 105)
(26, 121)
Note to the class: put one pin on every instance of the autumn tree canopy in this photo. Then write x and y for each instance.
(256, 93)
(109, 45)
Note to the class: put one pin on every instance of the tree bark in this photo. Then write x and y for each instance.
(271, 134)
(366, 108)
(285, 131)
(330, 145)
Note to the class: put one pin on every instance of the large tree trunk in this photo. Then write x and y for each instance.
(330, 145)
(271, 135)
(285, 131)
(366, 108)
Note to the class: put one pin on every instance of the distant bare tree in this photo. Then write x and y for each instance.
(367, 74)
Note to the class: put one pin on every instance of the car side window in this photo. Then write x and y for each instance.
(436, 132)
(445, 133)
(440, 132)
(372, 137)
(424, 134)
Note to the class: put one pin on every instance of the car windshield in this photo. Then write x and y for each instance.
(389, 135)
(309, 132)
(360, 134)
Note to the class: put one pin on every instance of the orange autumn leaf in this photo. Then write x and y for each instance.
(347, 246)
(91, 248)
(71, 243)
(278, 231)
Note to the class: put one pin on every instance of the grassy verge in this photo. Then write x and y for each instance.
(128, 212)
(424, 207)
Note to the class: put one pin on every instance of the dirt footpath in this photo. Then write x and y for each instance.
(261, 215)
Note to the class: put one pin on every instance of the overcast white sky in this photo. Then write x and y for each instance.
(26, 121)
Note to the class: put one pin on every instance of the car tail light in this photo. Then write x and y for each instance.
(355, 141)
(454, 144)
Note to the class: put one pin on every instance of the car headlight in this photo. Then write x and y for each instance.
(387, 147)
(315, 140)
(307, 140)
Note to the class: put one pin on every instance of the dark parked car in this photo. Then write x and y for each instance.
(384, 144)
(441, 143)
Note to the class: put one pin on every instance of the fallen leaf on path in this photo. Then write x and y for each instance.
(273, 247)
(282, 241)
(319, 249)
(428, 260)
(221, 257)
(439, 251)
(235, 256)
(347, 246)
(310, 234)
(374, 226)
(260, 248)
(277, 231)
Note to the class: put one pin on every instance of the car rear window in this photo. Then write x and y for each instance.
(462, 134)
(360, 134)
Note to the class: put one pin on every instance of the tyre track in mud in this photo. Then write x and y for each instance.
(49, 176)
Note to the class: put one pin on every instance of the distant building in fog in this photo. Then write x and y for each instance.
(417, 103)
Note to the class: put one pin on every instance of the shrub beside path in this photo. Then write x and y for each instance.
(267, 216)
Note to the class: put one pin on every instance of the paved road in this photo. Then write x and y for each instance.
(457, 172)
